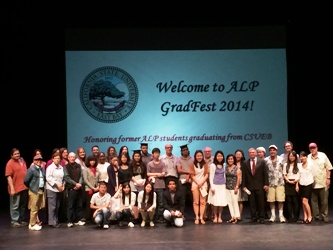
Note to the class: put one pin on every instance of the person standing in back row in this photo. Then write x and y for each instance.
(322, 182)
(288, 147)
(55, 186)
(35, 181)
(255, 180)
(16, 169)
(242, 196)
(156, 170)
(208, 158)
(199, 176)
(183, 167)
(146, 156)
(276, 189)
(74, 181)
(170, 160)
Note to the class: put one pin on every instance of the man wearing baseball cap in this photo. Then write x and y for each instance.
(276, 189)
(322, 181)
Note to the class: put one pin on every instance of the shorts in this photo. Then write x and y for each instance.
(276, 194)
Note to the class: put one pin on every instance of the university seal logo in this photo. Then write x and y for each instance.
(109, 94)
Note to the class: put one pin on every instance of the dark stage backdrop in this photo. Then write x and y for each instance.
(34, 82)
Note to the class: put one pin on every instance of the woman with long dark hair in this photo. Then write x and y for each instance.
(199, 175)
(147, 204)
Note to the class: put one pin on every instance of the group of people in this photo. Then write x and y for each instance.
(153, 188)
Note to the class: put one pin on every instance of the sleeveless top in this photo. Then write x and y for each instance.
(231, 177)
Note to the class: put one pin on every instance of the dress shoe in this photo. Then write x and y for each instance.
(16, 224)
(55, 226)
(262, 221)
(23, 223)
(253, 221)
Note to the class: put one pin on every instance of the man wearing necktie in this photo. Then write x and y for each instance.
(255, 179)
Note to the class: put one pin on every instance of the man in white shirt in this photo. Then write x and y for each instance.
(100, 202)
(322, 181)
(170, 160)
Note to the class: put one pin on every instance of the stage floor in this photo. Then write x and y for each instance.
(244, 235)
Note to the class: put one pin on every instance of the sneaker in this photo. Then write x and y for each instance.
(70, 224)
(152, 224)
(80, 223)
(35, 227)
(282, 219)
(272, 219)
(106, 226)
(131, 224)
(143, 223)
(16, 224)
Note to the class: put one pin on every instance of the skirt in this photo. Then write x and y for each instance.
(305, 191)
(219, 198)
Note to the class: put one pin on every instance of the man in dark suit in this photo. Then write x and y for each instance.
(173, 203)
(255, 183)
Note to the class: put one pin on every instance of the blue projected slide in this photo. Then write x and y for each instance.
(225, 99)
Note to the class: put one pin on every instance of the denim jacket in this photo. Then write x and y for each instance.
(31, 179)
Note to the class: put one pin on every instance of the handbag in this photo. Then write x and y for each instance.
(145, 206)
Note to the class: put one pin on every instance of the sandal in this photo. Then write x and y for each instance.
(235, 221)
(196, 221)
(231, 220)
(215, 220)
(219, 221)
(203, 221)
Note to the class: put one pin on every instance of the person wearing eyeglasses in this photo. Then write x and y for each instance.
(170, 160)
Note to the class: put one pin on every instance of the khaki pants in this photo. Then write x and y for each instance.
(35, 202)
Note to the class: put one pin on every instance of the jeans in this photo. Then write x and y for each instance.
(124, 215)
(17, 206)
(102, 217)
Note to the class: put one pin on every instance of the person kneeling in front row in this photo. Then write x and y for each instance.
(147, 203)
(100, 201)
(173, 205)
